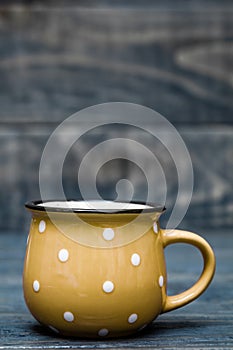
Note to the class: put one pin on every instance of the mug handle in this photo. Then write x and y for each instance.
(180, 236)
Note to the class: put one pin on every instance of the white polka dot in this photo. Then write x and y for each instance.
(161, 281)
(68, 316)
(36, 286)
(108, 286)
(103, 332)
(42, 226)
(53, 329)
(135, 259)
(63, 255)
(108, 234)
(155, 227)
(132, 318)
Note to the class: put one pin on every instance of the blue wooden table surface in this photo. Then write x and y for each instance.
(207, 323)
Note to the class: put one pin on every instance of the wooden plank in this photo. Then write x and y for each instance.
(174, 59)
(210, 150)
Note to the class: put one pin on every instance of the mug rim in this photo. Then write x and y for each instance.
(149, 207)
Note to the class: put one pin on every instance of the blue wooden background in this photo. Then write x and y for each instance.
(175, 57)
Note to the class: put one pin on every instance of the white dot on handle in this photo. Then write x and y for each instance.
(155, 227)
(161, 281)
(108, 234)
(42, 226)
(108, 287)
(68, 316)
(135, 259)
(132, 318)
(103, 332)
(63, 255)
(36, 286)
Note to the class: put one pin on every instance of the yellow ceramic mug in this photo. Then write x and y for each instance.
(98, 270)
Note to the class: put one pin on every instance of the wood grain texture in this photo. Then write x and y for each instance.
(210, 151)
(176, 59)
(173, 57)
(207, 323)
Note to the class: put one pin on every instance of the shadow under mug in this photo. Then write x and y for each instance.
(97, 269)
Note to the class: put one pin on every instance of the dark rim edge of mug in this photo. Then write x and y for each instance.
(34, 205)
